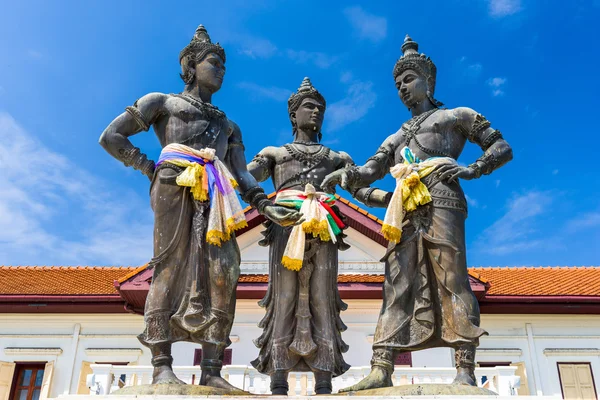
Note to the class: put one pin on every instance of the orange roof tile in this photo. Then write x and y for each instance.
(357, 208)
(541, 281)
(507, 281)
(60, 280)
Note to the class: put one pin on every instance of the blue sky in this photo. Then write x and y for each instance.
(68, 68)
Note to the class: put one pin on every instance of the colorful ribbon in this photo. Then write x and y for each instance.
(321, 221)
(410, 192)
(208, 179)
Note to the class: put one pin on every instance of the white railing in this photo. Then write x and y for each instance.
(108, 378)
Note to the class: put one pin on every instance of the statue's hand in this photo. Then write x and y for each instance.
(339, 177)
(283, 216)
(452, 172)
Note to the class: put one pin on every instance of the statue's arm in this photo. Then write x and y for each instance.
(369, 196)
(496, 151)
(354, 178)
(136, 118)
(261, 166)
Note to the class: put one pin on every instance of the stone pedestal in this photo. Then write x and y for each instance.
(177, 390)
(431, 389)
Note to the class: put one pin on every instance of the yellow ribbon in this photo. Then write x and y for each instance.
(409, 193)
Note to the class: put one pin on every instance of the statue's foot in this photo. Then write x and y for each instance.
(280, 391)
(219, 382)
(165, 375)
(465, 377)
(323, 390)
(377, 378)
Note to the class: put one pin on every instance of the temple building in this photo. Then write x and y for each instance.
(73, 330)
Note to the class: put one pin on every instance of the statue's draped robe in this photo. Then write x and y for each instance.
(427, 298)
(281, 300)
(192, 295)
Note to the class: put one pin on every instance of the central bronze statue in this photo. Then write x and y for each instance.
(196, 261)
(302, 325)
(427, 299)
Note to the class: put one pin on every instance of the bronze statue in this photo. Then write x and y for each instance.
(427, 299)
(196, 258)
(302, 325)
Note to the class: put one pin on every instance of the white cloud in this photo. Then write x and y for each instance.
(515, 231)
(583, 221)
(346, 77)
(319, 59)
(360, 98)
(503, 8)
(497, 84)
(269, 92)
(367, 26)
(255, 47)
(53, 212)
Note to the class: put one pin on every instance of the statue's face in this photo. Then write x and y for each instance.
(210, 72)
(309, 115)
(412, 88)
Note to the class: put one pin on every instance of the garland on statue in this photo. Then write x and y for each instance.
(208, 179)
(410, 192)
(321, 221)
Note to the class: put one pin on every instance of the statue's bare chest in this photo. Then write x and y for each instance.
(297, 165)
(435, 136)
(195, 125)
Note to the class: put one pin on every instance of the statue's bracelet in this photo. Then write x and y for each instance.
(262, 204)
(477, 169)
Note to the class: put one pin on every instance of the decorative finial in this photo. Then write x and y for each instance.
(306, 85)
(409, 46)
(201, 34)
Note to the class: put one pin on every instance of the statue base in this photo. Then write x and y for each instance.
(427, 389)
(177, 390)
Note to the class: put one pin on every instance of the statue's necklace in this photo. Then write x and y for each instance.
(411, 134)
(209, 112)
(304, 157)
(307, 143)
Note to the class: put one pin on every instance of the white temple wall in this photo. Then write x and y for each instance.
(69, 340)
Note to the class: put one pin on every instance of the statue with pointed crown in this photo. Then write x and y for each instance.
(196, 261)
(302, 326)
(427, 299)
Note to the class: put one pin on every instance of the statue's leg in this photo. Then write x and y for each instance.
(326, 306)
(162, 362)
(323, 382)
(403, 280)
(279, 383)
(459, 305)
(465, 365)
(172, 219)
(224, 270)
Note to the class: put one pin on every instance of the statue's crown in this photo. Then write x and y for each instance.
(411, 59)
(305, 90)
(201, 45)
